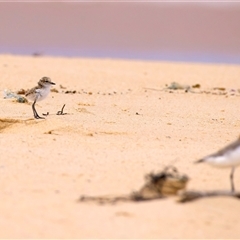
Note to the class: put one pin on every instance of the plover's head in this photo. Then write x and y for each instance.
(46, 82)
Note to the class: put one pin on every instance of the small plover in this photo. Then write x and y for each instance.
(39, 93)
(228, 156)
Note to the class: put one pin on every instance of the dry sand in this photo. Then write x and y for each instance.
(115, 132)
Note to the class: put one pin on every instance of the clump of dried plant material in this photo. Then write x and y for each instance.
(165, 183)
(157, 185)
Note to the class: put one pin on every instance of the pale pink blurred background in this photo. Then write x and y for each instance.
(199, 32)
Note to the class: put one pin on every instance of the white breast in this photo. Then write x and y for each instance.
(229, 159)
(39, 94)
(42, 93)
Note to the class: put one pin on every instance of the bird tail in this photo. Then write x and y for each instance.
(200, 160)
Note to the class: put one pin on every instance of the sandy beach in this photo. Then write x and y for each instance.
(122, 123)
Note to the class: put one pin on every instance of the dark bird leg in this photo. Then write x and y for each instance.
(35, 112)
(231, 179)
(61, 112)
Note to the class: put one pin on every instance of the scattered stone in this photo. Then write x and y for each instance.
(70, 92)
(219, 88)
(54, 90)
(196, 86)
(178, 86)
(62, 87)
(9, 94)
(37, 54)
(21, 91)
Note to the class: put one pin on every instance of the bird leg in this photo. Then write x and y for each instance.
(35, 112)
(231, 179)
(61, 112)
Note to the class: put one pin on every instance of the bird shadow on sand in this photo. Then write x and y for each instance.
(166, 183)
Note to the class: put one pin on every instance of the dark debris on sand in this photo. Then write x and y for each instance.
(157, 185)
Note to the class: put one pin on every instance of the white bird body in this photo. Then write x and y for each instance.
(227, 157)
(39, 93)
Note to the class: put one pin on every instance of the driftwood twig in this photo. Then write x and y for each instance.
(188, 196)
(157, 185)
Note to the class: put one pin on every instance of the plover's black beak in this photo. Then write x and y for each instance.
(53, 83)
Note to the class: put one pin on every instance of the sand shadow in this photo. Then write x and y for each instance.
(6, 123)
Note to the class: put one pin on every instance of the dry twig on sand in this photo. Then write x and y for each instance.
(159, 185)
